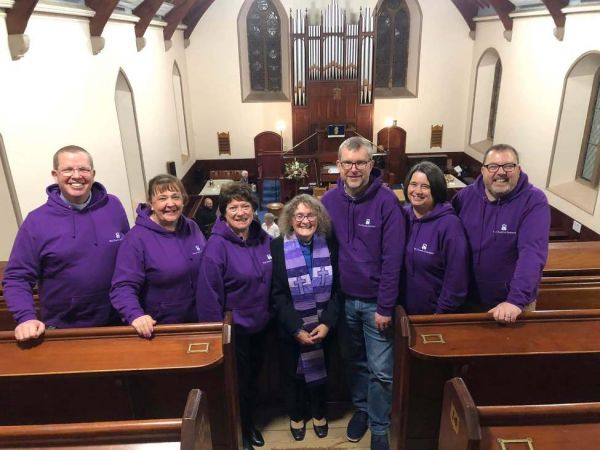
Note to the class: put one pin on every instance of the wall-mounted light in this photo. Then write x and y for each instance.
(388, 122)
(280, 126)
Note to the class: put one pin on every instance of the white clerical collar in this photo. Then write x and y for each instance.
(78, 206)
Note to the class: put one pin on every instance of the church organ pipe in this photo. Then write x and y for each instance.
(332, 50)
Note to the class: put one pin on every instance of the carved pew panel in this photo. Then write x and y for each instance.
(190, 432)
(557, 350)
(465, 425)
(125, 377)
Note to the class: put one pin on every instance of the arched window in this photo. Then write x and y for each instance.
(264, 58)
(485, 100)
(180, 112)
(589, 159)
(576, 178)
(391, 57)
(130, 139)
(397, 37)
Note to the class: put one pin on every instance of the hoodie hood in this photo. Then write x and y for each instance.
(439, 210)
(522, 186)
(143, 219)
(375, 182)
(99, 198)
(255, 235)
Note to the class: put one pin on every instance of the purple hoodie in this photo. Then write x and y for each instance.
(156, 270)
(71, 255)
(436, 262)
(235, 275)
(508, 239)
(371, 232)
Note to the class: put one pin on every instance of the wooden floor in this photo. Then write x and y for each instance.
(275, 427)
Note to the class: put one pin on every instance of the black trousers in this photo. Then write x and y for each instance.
(301, 401)
(249, 353)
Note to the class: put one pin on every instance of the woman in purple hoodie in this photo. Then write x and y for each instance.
(157, 264)
(436, 258)
(235, 275)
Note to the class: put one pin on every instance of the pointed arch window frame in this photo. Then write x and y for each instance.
(181, 113)
(411, 87)
(248, 95)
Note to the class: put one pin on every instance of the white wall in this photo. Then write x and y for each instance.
(59, 93)
(534, 66)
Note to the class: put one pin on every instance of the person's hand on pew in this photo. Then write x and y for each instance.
(144, 325)
(505, 312)
(30, 329)
(382, 322)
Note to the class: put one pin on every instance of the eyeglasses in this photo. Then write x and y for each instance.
(508, 167)
(85, 171)
(300, 217)
(360, 165)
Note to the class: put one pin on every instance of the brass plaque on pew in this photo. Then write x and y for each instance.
(505, 444)
(112, 350)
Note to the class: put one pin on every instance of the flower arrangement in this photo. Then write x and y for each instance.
(296, 170)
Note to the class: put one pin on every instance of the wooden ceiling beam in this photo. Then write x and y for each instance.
(146, 12)
(468, 10)
(194, 16)
(175, 17)
(103, 9)
(18, 16)
(555, 7)
(503, 8)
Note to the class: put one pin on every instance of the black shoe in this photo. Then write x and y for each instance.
(298, 433)
(246, 444)
(256, 437)
(379, 442)
(358, 426)
(321, 430)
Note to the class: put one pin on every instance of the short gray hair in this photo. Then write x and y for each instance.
(269, 216)
(501, 148)
(354, 144)
(71, 149)
(286, 218)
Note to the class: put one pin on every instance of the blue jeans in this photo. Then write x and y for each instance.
(369, 355)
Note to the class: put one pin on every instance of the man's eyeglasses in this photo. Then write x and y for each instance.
(360, 165)
(300, 217)
(508, 167)
(85, 171)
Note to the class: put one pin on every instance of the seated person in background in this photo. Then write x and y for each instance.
(507, 221)
(244, 176)
(436, 260)
(303, 295)
(68, 247)
(235, 275)
(270, 226)
(157, 265)
(205, 217)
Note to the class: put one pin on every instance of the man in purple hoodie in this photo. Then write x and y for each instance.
(68, 247)
(507, 221)
(370, 227)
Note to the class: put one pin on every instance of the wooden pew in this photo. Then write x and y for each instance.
(558, 350)
(190, 432)
(464, 425)
(573, 258)
(124, 376)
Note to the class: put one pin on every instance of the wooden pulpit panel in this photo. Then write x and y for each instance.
(96, 350)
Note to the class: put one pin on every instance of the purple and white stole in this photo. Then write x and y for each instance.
(310, 294)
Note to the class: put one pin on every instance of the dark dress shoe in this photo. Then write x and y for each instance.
(246, 444)
(256, 437)
(321, 430)
(298, 433)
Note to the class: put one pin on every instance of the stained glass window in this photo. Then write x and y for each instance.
(264, 46)
(391, 53)
(591, 144)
